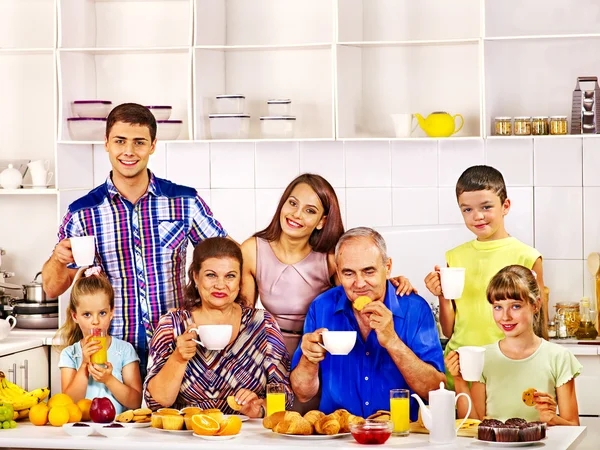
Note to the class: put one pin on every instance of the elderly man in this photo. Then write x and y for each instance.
(397, 343)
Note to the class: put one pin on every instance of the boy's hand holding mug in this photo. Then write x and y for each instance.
(433, 282)
(452, 362)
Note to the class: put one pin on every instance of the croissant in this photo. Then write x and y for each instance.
(347, 420)
(295, 425)
(272, 420)
(327, 425)
(313, 416)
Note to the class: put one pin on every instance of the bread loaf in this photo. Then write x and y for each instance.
(327, 425)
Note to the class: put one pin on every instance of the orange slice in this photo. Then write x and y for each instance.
(230, 426)
(233, 404)
(361, 302)
(204, 425)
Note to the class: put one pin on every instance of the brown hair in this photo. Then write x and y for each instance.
(518, 283)
(216, 247)
(133, 114)
(70, 333)
(323, 240)
(482, 178)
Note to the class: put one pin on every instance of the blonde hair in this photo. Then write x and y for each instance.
(70, 333)
(519, 283)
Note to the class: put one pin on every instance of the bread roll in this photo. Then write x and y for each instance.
(294, 425)
(327, 425)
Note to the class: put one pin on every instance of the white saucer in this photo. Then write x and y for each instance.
(41, 186)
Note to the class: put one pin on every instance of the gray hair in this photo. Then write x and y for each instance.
(360, 232)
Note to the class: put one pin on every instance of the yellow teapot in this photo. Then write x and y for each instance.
(440, 124)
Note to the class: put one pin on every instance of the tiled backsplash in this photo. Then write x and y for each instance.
(553, 183)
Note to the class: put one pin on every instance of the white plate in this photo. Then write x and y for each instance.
(216, 438)
(174, 431)
(314, 437)
(482, 443)
(241, 416)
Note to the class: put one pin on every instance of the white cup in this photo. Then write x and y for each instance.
(39, 164)
(403, 124)
(453, 282)
(84, 250)
(471, 362)
(41, 178)
(213, 337)
(338, 342)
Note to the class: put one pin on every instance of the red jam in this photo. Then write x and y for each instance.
(79, 424)
(371, 436)
(113, 425)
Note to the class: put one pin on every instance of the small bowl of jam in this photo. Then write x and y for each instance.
(372, 432)
(114, 430)
(78, 429)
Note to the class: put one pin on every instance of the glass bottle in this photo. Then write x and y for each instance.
(561, 326)
(586, 328)
(551, 330)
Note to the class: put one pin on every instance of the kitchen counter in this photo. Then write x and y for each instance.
(253, 435)
(20, 339)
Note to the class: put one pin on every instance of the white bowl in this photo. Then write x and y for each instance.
(112, 432)
(161, 112)
(72, 430)
(229, 126)
(86, 128)
(168, 130)
(279, 107)
(230, 104)
(91, 108)
(277, 127)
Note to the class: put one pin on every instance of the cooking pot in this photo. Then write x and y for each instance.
(34, 292)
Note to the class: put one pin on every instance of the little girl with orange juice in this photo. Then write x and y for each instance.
(92, 363)
(523, 375)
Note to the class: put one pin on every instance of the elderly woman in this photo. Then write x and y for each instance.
(183, 373)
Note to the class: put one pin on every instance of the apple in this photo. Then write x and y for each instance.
(102, 410)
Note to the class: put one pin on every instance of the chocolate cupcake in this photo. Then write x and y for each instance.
(485, 433)
(542, 426)
(529, 432)
(506, 433)
(516, 421)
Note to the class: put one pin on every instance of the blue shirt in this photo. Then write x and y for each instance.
(120, 353)
(361, 381)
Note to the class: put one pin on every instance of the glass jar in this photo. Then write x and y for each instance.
(586, 329)
(561, 329)
(570, 313)
(551, 330)
(558, 125)
(539, 126)
(503, 126)
(522, 126)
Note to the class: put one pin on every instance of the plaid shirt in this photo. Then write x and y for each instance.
(142, 249)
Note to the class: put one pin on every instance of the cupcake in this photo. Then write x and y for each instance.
(485, 431)
(156, 420)
(542, 426)
(172, 422)
(516, 421)
(529, 432)
(506, 433)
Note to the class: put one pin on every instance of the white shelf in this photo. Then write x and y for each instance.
(413, 139)
(368, 44)
(314, 46)
(549, 136)
(123, 50)
(29, 191)
(542, 37)
(25, 51)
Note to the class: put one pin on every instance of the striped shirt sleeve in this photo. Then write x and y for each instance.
(278, 363)
(202, 223)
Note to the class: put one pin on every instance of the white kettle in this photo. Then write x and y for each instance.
(11, 178)
(6, 326)
(439, 418)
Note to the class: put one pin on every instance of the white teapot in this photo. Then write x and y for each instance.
(11, 178)
(6, 326)
(439, 417)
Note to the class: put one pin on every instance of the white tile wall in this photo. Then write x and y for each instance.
(564, 278)
(414, 163)
(266, 205)
(414, 206)
(519, 221)
(591, 220)
(277, 163)
(448, 210)
(591, 161)
(234, 208)
(188, 164)
(371, 207)
(457, 155)
(368, 164)
(325, 158)
(558, 162)
(232, 165)
(504, 155)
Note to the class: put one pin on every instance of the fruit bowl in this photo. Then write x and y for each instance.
(372, 432)
(78, 429)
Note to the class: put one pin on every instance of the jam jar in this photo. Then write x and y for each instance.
(540, 126)
(522, 126)
(558, 125)
(502, 126)
(570, 313)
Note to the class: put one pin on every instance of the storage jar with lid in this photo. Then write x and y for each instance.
(539, 126)
(502, 126)
(277, 127)
(279, 107)
(230, 104)
(558, 125)
(522, 126)
(570, 313)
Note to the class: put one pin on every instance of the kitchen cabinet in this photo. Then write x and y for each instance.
(28, 369)
(586, 384)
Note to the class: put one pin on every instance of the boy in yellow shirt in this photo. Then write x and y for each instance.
(483, 202)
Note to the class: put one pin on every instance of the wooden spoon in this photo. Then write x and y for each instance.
(593, 263)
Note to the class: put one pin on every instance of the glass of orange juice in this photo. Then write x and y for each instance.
(400, 409)
(101, 356)
(275, 398)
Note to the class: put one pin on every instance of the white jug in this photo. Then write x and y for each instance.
(439, 417)
(6, 326)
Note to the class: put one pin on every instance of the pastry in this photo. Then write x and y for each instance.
(233, 404)
(381, 416)
(271, 421)
(156, 421)
(327, 425)
(142, 412)
(294, 425)
(528, 398)
(350, 420)
(313, 416)
(172, 422)
(361, 302)
(125, 416)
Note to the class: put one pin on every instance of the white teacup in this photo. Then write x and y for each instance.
(84, 250)
(403, 124)
(471, 362)
(453, 282)
(338, 342)
(41, 178)
(213, 337)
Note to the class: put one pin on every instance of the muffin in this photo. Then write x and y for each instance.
(530, 432)
(172, 422)
(156, 420)
(516, 421)
(485, 431)
(542, 426)
(506, 433)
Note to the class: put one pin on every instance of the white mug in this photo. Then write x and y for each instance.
(213, 337)
(39, 164)
(403, 124)
(338, 342)
(471, 362)
(41, 178)
(453, 282)
(84, 250)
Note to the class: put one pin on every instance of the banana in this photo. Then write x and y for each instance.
(13, 387)
(19, 397)
(23, 414)
(40, 393)
(25, 403)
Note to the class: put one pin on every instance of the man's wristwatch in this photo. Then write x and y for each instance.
(263, 412)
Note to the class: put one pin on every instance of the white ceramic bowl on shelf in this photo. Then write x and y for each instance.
(86, 128)
(277, 127)
(161, 112)
(91, 108)
(230, 104)
(168, 130)
(229, 126)
(279, 107)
